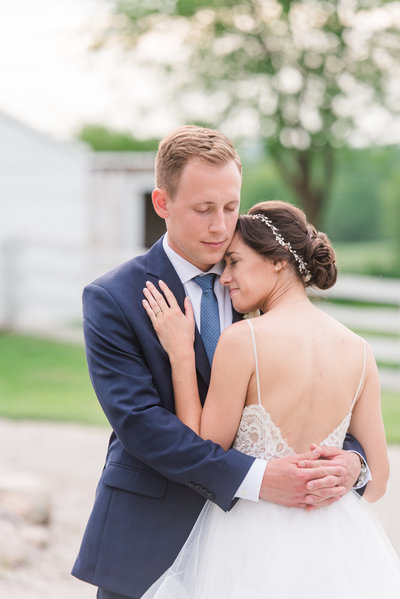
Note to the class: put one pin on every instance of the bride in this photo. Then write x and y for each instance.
(280, 382)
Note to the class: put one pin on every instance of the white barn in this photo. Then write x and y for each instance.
(43, 186)
(68, 214)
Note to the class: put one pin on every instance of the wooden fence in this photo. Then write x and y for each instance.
(371, 307)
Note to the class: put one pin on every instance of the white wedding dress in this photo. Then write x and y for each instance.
(268, 551)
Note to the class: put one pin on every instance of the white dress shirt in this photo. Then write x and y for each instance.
(251, 484)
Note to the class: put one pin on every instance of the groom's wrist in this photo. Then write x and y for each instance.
(251, 485)
(364, 475)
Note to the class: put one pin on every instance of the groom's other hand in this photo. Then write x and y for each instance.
(320, 489)
(286, 480)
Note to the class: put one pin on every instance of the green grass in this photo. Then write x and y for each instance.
(46, 380)
(391, 415)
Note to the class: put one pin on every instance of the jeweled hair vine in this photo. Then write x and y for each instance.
(301, 264)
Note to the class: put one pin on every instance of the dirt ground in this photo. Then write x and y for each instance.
(68, 460)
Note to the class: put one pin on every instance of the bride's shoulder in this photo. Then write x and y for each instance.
(234, 347)
(236, 335)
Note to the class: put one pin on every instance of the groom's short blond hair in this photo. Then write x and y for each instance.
(186, 143)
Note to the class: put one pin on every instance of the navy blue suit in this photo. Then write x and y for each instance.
(158, 473)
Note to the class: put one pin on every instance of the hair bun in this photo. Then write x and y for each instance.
(321, 259)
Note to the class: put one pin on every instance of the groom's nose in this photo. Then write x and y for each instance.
(218, 222)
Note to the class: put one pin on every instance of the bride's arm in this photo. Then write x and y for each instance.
(232, 368)
(367, 426)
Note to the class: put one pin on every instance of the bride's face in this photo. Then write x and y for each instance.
(250, 277)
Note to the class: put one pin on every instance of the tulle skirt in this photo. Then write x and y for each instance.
(262, 550)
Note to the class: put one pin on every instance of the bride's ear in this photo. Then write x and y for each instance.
(280, 265)
(160, 200)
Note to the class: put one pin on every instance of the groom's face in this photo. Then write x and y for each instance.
(201, 218)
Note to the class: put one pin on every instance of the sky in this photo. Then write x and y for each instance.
(52, 81)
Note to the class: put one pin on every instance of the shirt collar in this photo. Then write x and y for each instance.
(185, 269)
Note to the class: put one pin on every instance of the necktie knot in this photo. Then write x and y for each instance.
(206, 282)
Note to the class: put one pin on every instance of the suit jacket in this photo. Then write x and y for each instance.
(158, 472)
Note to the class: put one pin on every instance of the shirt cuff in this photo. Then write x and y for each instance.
(367, 474)
(251, 484)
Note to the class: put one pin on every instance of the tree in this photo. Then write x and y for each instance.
(104, 139)
(303, 75)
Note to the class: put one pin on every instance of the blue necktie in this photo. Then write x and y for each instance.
(209, 314)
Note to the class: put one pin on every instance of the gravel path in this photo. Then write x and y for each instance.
(68, 459)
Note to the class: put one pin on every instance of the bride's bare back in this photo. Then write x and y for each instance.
(310, 368)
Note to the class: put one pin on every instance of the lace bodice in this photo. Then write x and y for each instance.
(259, 436)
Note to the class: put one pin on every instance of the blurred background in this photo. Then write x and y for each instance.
(310, 93)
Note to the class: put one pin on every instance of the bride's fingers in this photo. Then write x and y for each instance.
(150, 312)
(168, 294)
(158, 297)
(188, 308)
(152, 303)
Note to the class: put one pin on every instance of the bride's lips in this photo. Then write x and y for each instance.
(233, 291)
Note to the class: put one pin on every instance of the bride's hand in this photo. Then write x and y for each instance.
(174, 328)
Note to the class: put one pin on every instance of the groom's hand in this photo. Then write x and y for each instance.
(318, 490)
(287, 480)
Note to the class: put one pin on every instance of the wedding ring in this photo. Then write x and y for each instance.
(158, 311)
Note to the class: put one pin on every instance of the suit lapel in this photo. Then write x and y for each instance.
(159, 267)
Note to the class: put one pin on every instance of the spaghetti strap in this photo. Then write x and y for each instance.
(362, 375)
(255, 359)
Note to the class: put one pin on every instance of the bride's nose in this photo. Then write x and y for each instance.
(225, 278)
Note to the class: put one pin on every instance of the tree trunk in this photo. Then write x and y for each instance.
(298, 169)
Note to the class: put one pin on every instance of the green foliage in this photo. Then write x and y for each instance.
(104, 139)
(301, 72)
(373, 258)
(365, 203)
(45, 380)
(261, 182)
(363, 216)
(188, 8)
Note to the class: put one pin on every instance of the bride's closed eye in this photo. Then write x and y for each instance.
(231, 262)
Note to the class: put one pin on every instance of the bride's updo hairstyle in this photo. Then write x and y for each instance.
(280, 231)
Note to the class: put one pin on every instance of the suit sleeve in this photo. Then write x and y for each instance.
(351, 444)
(124, 385)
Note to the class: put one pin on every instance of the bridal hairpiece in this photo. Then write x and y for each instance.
(302, 266)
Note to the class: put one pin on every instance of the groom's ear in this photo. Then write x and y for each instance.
(160, 200)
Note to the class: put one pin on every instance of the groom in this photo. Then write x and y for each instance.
(158, 473)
